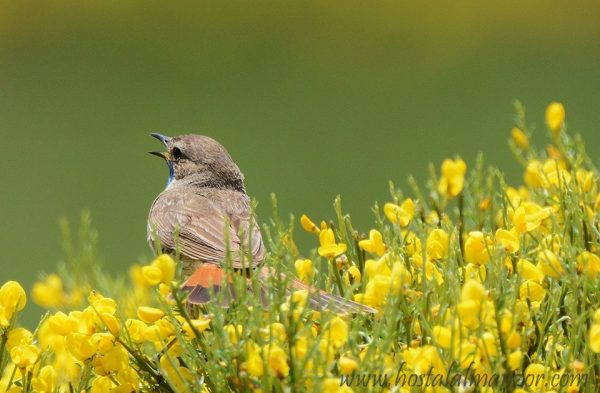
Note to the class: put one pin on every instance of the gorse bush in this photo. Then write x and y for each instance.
(479, 286)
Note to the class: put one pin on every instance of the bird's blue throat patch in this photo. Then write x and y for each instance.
(171, 173)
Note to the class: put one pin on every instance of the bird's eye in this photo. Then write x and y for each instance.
(176, 153)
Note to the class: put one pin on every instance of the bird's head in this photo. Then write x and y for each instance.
(199, 160)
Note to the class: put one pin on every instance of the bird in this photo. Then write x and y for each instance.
(205, 216)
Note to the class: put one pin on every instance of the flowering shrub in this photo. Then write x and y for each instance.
(479, 286)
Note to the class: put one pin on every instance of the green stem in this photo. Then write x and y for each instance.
(338, 277)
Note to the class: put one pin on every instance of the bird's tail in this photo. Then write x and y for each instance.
(210, 280)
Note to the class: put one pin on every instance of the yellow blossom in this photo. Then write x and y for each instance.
(535, 372)
(45, 381)
(509, 240)
(437, 244)
(337, 332)
(452, 178)
(477, 248)
(308, 225)
(532, 290)
(549, 264)
(277, 360)
(400, 214)
(161, 270)
(473, 290)
(304, 269)
(529, 271)
(81, 345)
(534, 176)
(589, 263)
(24, 356)
(149, 314)
(329, 248)
(62, 324)
(352, 276)
(374, 244)
(594, 337)
(136, 330)
(12, 296)
(442, 336)
(514, 359)
(529, 216)
(519, 138)
(254, 361)
(555, 117)
(347, 365)
(513, 340)
(332, 385)
(49, 293)
(476, 272)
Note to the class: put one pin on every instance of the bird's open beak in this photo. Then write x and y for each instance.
(165, 140)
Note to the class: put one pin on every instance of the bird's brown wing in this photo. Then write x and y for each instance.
(199, 228)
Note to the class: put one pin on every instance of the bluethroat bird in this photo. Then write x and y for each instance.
(205, 214)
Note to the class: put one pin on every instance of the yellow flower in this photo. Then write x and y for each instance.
(488, 346)
(81, 346)
(534, 176)
(101, 304)
(442, 336)
(46, 380)
(352, 276)
(514, 359)
(332, 385)
(473, 290)
(555, 117)
(277, 360)
(308, 225)
(149, 314)
(234, 332)
(589, 263)
(254, 361)
(549, 264)
(529, 216)
(12, 296)
(532, 290)
(24, 356)
(452, 179)
(555, 173)
(477, 248)
(594, 338)
(400, 214)
(529, 271)
(508, 239)
(304, 269)
(374, 244)
(513, 340)
(161, 270)
(338, 332)
(18, 337)
(476, 272)
(535, 372)
(178, 376)
(329, 248)
(200, 324)
(347, 365)
(136, 330)
(49, 293)
(519, 138)
(401, 277)
(437, 244)
(62, 324)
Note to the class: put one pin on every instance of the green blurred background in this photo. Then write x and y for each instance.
(312, 99)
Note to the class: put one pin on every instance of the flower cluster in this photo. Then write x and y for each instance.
(480, 286)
